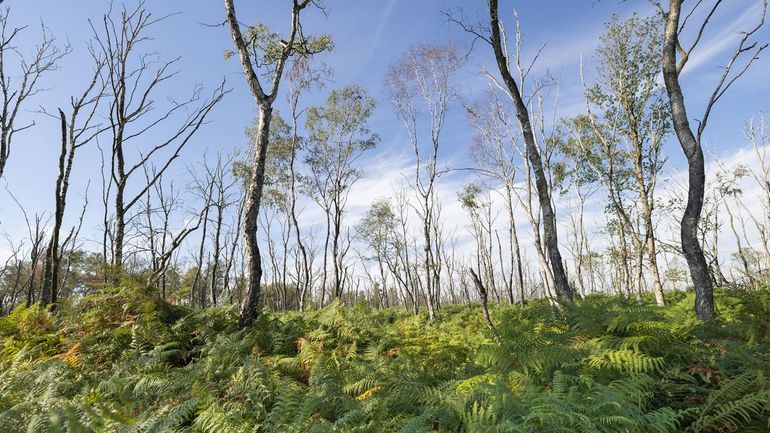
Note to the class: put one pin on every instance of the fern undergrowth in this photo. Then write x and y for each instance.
(122, 361)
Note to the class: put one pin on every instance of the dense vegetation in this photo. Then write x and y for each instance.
(323, 278)
(125, 361)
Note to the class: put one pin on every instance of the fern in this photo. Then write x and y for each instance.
(123, 361)
(734, 405)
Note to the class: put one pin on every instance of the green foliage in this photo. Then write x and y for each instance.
(268, 48)
(124, 361)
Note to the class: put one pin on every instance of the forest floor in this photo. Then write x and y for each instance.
(125, 361)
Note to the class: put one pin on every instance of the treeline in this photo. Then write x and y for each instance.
(274, 226)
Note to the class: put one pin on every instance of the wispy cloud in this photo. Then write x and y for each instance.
(727, 37)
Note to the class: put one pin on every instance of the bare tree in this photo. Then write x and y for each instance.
(36, 234)
(204, 190)
(422, 83)
(168, 202)
(17, 85)
(401, 262)
(171, 247)
(494, 36)
(494, 149)
(757, 132)
(77, 131)
(232, 251)
(223, 199)
(302, 77)
(132, 79)
(261, 51)
(676, 53)
(11, 274)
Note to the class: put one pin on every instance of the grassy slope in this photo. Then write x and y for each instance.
(125, 362)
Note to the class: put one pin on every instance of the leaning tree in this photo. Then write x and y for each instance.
(676, 54)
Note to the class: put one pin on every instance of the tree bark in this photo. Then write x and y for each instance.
(484, 301)
(252, 258)
(53, 259)
(693, 253)
(563, 290)
(251, 252)
(649, 241)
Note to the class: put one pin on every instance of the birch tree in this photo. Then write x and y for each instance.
(134, 80)
(627, 99)
(499, 46)
(420, 84)
(338, 137)
(494, 150)
(262, 51)
(675, 54)
(302, 78)
(20, 79)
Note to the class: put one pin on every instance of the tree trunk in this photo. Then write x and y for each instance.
(325, 274)
(647, 204)
(484, 301)
(563, 290)
(428, 251)
(199, 264)
(231, 256)
(119, 235)
(336, 255)
(704, 290)
(514, 243)
(251, 216)
(216, 252)
(53, 259)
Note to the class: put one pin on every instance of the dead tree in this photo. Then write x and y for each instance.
(758, 134)
(494, 150)
(70, 245)
(204, 189)
(10, 276)
(484, 304)
(168, 201)
(133, 78)
(232, 251)
(173, 245)
(37, 235)
(301, 79)
(222, 200)
(422, 83)
(17, 85)
(77, 130)
(157, 236)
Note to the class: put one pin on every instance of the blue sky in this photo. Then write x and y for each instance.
(368, 35)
